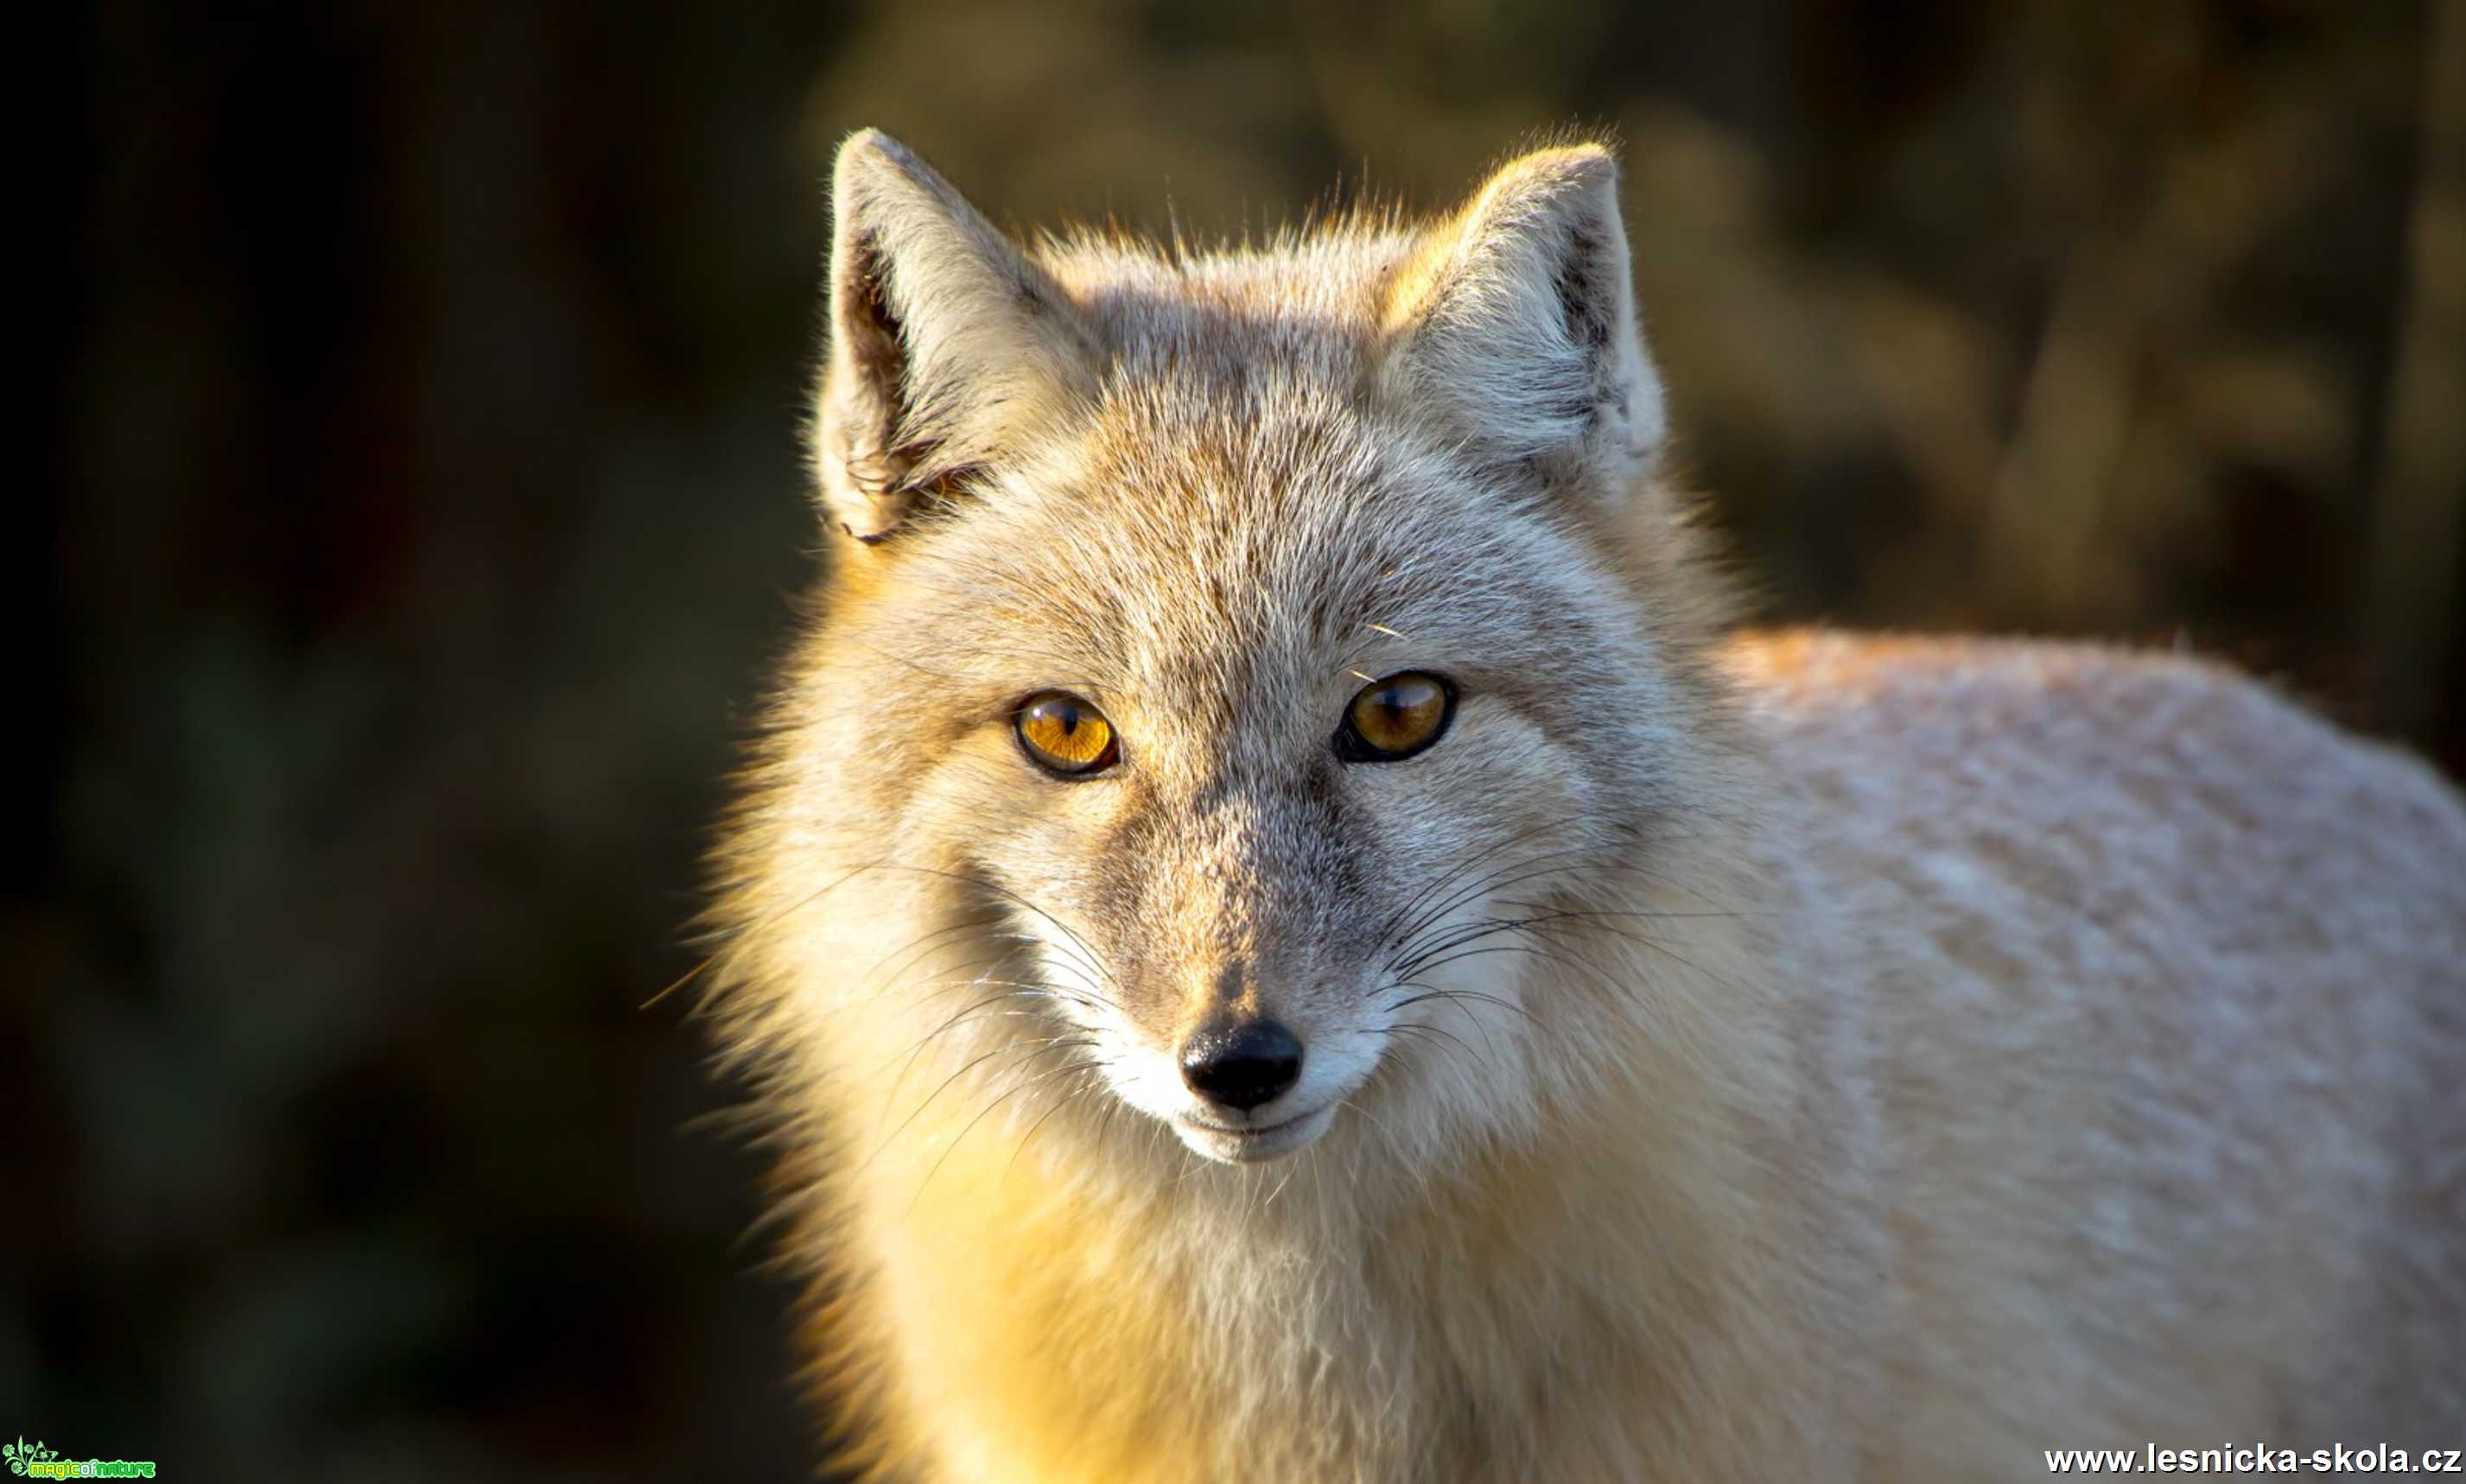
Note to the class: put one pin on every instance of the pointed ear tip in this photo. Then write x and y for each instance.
(871, 152)
(1584, 163)
(1560, 175)
(867, 142)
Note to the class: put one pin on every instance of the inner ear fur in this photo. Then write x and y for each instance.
(1516, 319)
(946, 342)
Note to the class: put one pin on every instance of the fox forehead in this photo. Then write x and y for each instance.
(1210, 556)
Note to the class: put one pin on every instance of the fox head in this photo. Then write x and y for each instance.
(1238, 674)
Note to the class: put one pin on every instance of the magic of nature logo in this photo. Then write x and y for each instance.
(44, 1462)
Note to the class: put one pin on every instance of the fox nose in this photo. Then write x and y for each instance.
(1242, 1066)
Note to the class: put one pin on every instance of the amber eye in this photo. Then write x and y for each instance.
(1395, 717)
(1066, 735)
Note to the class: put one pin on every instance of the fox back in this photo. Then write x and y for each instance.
(1283, 936)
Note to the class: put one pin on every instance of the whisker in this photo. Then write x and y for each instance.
(768, 920)
(1430, 1036)
(1457, 872)
(1058, 1105)
(1500, 880)
(1408, 958)
(917, 1049)
(952, 1147)
(1089, 963)
(1591, 911)
(1478, 953)
(1375, 1122)
(919, 943)
(1667, 952)
(918, 1111)
(1429, 993)
(1487, 1060)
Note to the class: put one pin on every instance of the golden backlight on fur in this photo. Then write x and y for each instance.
(1708, 1059)
(1393, 718)
(1066, 734)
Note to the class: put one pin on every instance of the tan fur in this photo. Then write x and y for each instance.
(1858, 1059)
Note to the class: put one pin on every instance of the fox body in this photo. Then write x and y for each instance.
(1284, 936)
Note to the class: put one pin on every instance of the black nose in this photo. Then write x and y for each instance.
(1242, 1066)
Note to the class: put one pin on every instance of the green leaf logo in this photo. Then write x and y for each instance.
(23, 1455)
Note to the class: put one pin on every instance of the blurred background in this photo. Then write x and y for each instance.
(419, 507)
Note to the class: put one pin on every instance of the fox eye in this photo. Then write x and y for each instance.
(1396, 718)
(1065, 735)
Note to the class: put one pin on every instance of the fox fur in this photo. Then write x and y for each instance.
(1728, 1056)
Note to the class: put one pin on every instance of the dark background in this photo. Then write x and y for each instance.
(418, 503)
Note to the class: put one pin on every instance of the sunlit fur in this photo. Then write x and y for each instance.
(1733, 1059)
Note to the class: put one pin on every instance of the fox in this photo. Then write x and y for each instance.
(1284, 923)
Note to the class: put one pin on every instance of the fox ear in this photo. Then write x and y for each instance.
(945, 340)
(1517, 322)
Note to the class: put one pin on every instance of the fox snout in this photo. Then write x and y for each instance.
(1242, 1072)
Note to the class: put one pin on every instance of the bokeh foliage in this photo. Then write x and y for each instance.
(420, 502)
